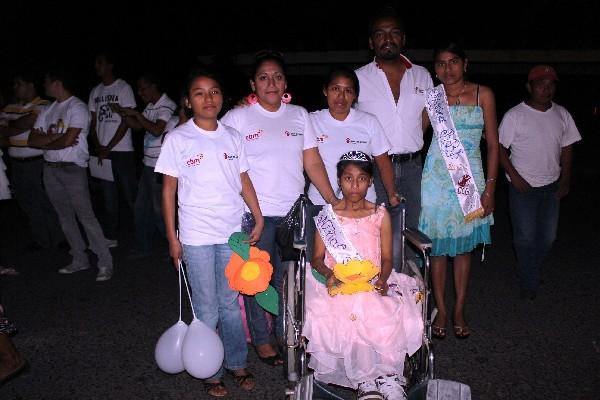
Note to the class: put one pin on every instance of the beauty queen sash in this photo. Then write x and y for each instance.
(453, 153)
(333, 236)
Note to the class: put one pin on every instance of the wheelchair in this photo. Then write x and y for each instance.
(419, 368)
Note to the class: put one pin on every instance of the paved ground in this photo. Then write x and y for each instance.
(88, 340)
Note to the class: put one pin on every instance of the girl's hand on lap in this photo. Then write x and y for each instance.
(381, 286)
(332, 281)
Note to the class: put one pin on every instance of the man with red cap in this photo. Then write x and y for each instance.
(539, 134)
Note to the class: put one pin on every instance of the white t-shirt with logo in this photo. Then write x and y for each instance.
(402, 121)
(359, 131)
(535, 139)
(274, 144)
(18, 142)
(107, 122)
(57, 118)
(162, 110)
(207, 166)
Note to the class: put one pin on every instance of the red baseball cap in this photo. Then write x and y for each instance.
(542, 72)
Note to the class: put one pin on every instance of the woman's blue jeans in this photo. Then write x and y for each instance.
(215, 303)
(255, 314)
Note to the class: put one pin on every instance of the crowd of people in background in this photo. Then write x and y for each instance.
(207, 178)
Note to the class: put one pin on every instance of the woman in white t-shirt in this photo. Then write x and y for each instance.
(280, 144)
(341, 128)
(205, 167)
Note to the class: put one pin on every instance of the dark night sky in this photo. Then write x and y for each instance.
(168, 37)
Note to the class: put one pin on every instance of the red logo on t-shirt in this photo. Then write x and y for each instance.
(194, 160)
(254, 136)
(229, 156)
(321, 139)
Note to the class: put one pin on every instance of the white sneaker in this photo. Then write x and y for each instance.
(112, 243)
(390, 387)
(104, 274)
(368, 391)
(71, 268)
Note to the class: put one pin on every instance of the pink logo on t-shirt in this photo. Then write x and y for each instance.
(254, 136)
(288, 133)
(195, 160)
(229, 156)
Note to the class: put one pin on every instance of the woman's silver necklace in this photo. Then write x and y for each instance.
(457, 103)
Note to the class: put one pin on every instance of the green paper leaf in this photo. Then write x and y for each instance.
(235, 242)
(318, 276)
(269, 300)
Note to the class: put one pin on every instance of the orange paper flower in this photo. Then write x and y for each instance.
(249, 276)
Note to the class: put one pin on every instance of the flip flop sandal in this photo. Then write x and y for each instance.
(273, 361)
(245, 382)
(215, 389)
(461, 332)
(438, 331)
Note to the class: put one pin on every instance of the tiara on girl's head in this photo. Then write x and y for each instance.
(355, 155)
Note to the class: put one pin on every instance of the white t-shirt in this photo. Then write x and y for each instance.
(107, 122)
(18, 142)
(535, 139)
(402, 121)
(274, 144)
(162, 110)
(207, 166)
(359, 131)
(57, 118)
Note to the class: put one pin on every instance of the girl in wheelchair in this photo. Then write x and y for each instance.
(364, 320)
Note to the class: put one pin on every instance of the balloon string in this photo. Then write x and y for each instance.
(187, 288)
(180, 305)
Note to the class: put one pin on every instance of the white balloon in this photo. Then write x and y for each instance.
(202, 350)
(168, 349)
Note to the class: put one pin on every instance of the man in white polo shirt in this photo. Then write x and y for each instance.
(61, 131)
(539, 135)
(393, 89)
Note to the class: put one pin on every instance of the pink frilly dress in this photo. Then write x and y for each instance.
(359, 337)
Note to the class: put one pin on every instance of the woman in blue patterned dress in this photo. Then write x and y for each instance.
(473, 110)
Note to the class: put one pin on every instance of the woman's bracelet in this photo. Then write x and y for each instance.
(490, 180)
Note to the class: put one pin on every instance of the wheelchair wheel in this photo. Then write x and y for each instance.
(289, 301)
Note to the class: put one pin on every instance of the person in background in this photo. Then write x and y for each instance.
(61, 131)
(537, 138)
(393, 89)
(157, 113)
(111, 139)
(27, 163)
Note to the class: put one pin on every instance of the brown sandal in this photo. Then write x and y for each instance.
(462, 332)
(215, 389)
(244, 381)
(438, 331)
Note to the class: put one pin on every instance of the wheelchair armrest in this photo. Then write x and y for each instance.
(418, 239)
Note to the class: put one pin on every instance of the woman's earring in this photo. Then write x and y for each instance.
(252, 98)
(286, 98)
